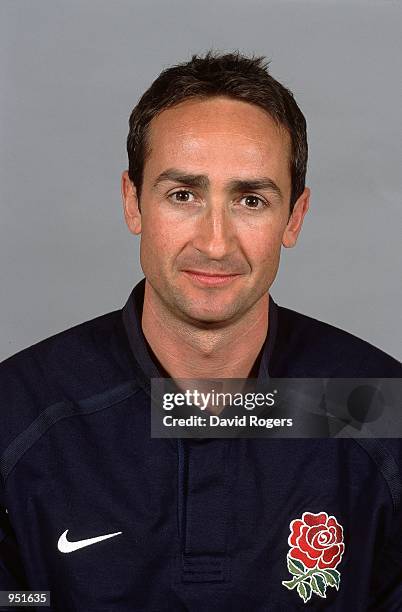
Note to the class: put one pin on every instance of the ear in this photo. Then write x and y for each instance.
(132, 213)
(295, 222)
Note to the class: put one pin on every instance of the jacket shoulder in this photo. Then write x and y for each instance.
(62, 348)
(317, 349)
(77, 363)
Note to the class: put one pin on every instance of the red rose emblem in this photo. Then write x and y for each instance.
(316, 540)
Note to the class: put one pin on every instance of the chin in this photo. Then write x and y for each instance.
(211, 317)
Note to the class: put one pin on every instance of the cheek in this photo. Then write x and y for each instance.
(161, 239)
(263, 244)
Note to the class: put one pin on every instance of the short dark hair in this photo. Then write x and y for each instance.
(231, 75)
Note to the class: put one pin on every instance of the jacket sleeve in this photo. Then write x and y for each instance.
(11, 568)
(386, 593)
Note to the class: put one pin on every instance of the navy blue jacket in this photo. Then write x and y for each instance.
(199, 525)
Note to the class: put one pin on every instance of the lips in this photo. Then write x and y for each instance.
(210, 279)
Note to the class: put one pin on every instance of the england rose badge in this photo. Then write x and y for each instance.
(316, 549)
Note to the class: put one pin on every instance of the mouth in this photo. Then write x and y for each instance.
(210, 279)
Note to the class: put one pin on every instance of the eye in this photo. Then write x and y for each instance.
(182, 196)
(253, 202)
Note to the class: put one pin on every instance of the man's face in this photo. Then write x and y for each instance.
(214, 208)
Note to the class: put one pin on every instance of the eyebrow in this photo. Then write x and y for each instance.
(234, 185)
(177, 176)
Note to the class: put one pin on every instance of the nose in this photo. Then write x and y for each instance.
(215, 236)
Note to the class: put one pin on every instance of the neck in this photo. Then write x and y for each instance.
(186, 351)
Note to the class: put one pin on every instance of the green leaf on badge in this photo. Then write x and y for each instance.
(290, 584)
(295, 567)
(332, 577)
(304, 590)
(318, 585)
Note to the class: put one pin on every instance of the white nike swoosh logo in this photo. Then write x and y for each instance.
(65, 546)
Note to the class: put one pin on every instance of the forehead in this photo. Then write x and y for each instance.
(207, 135)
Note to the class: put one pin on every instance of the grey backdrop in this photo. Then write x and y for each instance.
(70, 73)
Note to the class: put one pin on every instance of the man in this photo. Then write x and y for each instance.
(105, 517)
